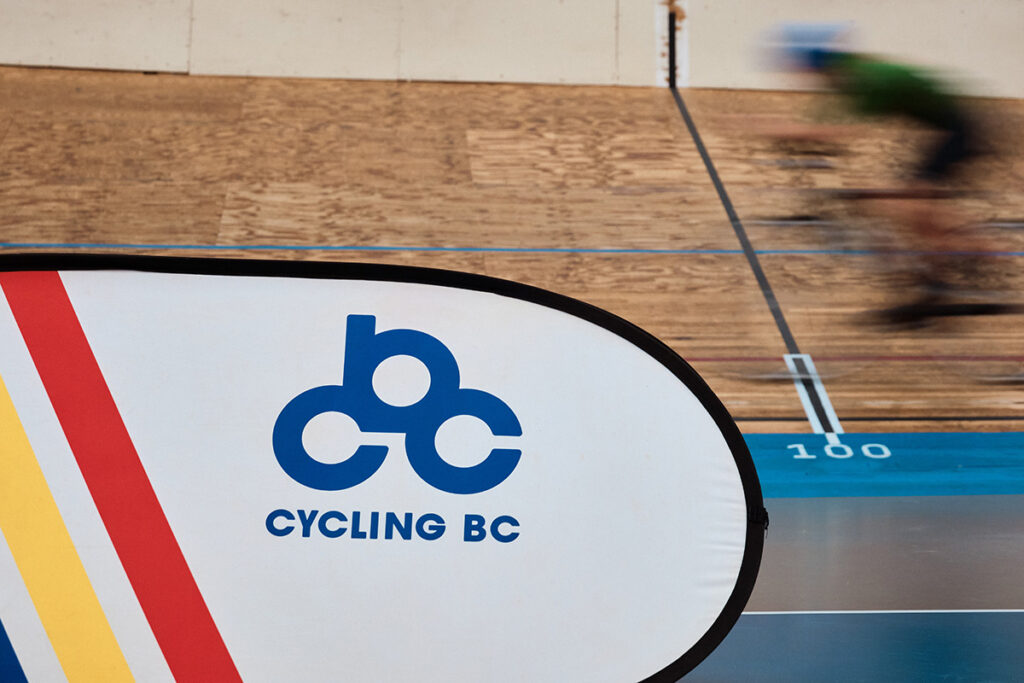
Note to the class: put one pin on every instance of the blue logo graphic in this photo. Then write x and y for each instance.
(365, 350)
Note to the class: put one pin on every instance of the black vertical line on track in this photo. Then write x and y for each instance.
(812, 394)
(672, 50)
(737, 226)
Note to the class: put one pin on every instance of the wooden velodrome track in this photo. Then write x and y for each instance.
(600, 194)
(597, 193)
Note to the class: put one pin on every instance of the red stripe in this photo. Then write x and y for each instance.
(110, 465)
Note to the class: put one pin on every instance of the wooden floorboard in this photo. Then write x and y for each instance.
(597, 193)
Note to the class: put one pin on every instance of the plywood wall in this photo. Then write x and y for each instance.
(977, 44)
(529, 41)
(142, 35)
(608, 42)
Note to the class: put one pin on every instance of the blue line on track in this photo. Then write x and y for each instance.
(471, 250)
(918, 464)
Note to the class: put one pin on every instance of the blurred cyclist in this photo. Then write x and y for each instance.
(875, 87)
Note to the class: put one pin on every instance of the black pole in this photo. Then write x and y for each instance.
(672, 49)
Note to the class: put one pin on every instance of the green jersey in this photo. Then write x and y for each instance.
(877, 87)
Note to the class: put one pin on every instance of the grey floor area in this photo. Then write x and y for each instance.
(870, 647)
(882, 553)
(883, 589)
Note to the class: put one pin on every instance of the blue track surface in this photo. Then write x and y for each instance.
(851, 646)
(804, 466)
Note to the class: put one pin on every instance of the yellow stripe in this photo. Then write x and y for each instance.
(49, 564)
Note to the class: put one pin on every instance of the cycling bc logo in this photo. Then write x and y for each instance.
(365, 350)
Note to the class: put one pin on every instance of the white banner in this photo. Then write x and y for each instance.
(391, 474)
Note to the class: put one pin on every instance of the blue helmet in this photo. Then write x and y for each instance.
(809, 45)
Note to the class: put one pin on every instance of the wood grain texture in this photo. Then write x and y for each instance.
(594, 192)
